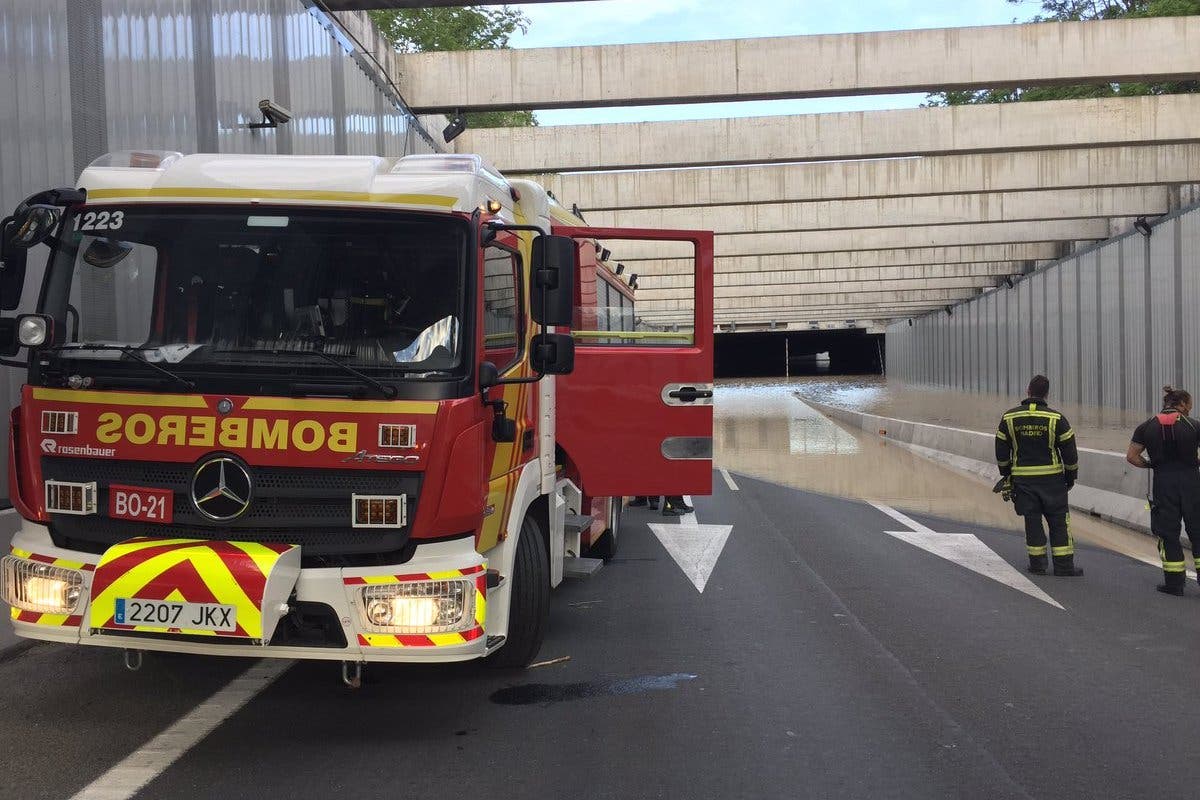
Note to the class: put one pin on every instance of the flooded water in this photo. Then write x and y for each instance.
(762, 428)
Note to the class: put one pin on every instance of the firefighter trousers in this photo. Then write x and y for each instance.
(1035, 498)
(1176, 503)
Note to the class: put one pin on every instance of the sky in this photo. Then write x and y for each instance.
(628, 21)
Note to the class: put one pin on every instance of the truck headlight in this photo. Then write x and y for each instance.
(419, 606)
(40, 587)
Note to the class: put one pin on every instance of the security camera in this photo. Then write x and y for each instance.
(274, 113)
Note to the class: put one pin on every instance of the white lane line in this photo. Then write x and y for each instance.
(733, 487)
(152, 759)
(904, 520)
(690, 517)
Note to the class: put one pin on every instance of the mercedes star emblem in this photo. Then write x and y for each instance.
(221, 489)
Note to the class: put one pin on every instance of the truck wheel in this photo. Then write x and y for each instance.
(606, 546)
(529, 609)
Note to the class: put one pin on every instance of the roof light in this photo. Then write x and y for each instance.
(138, 159)
(33, 330)
(493, 206)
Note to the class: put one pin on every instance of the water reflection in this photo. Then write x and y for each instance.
(763, 429)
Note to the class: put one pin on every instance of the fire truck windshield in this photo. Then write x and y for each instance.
(205, 289)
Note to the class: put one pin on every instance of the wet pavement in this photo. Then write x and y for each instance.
(762, 427)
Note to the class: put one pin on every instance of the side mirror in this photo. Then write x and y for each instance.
(552, 283)
(9, 344)
(34, 225)
(12, 266)
(552, 353)
(489, 376)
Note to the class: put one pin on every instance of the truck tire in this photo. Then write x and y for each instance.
(606, 546)
(529, 610)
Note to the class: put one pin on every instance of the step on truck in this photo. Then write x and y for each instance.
(345, 408)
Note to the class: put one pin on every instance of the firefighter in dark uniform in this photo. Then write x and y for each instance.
(1037, 456)
(1172, 438)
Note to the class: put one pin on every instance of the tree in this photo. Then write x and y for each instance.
(422, 30)
(1082, 11)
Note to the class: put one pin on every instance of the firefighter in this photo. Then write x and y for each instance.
(1171, 439)
(1036, 453)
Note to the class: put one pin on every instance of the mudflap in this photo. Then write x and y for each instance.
(257, 579)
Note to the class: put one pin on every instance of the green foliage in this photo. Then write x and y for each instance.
(1082, 11)
(422, 30)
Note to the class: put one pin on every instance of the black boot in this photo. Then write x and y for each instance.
(1064, 567)
(1037, 565)
(1172, 583)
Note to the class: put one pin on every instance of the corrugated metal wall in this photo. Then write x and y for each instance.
(1109, 326)
(86, 77)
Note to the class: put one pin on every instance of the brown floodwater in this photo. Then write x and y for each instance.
(762, 428)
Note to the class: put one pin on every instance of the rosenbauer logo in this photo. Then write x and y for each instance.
(53, 448)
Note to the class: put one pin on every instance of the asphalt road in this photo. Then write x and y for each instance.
(825, 658)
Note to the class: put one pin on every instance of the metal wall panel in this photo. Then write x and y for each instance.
(1112, 333)
(1089, 323)
(362, 115)
(242, 66)
(1189, 255)
(310, 74)
(1067, 364)
(149, 79)
(1163, 307)
(1051, 324)
(1134, 312)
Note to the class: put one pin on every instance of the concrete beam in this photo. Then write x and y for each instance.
(1171, 164)
(649, 298)
(992, 271)
(1017, 253)
(1047, 125)
(898, 211)
(848, 240)
(861, 298)
(881, 62)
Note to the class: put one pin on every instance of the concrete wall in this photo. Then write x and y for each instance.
(1108, 325)
(827, 65)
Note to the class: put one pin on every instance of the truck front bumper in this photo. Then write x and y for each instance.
(341, 593)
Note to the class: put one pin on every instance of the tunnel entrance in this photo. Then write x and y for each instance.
(779, 353)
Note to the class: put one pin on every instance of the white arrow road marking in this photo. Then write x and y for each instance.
(966, 550)
(152, 759)
(694, 547)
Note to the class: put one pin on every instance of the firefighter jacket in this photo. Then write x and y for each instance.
(1034, 440)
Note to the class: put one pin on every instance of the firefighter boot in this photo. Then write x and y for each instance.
(1064, 567)
(1037, 565)
(1172, 583)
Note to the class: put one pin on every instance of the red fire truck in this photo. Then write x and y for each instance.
(343, 408)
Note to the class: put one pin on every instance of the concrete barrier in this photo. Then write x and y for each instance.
(1108, 486)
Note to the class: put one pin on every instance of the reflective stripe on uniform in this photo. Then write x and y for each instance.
(1069, 550)
(1067, 436)
(1033, 472)
(1169, 566)
(1036, 551)
(1003, 463)
(1000, 435)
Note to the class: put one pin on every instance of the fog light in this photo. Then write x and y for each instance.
(32, 330)
(419, 606)
(36, 586)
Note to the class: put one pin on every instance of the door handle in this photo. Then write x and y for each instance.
(677, 394)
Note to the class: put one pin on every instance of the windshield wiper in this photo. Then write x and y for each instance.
(389, 392)
(132, 352)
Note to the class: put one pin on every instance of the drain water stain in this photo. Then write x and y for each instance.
(534, 693)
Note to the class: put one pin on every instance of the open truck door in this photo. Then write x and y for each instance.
(635, 415)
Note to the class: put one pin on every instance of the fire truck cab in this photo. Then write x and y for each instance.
(346, 408)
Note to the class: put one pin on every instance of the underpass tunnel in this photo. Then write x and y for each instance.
(764, 354)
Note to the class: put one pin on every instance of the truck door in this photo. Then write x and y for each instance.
(635, 416)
